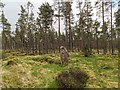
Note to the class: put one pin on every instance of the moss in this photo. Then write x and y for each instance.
(35, 71)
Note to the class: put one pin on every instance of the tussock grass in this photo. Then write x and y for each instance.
(36, 71)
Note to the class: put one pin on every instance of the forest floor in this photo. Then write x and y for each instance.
(39, 71)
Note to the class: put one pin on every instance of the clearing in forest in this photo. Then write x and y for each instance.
(40, 71)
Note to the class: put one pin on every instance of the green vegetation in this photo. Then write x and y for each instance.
(37, 71)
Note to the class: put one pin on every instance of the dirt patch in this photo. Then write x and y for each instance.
(74, 78)
(11, 62)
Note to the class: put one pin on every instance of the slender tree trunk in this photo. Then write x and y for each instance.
(119, 46)
(70, 34)
(103, 24)
(97, 45)
(59, 25)
(104, 33)
(109, 41)
(90, 42)
(46, 41)
(39, 47)
(97, 41)
(36, 44)
(111, 32)
(66, 36)
(119, 34)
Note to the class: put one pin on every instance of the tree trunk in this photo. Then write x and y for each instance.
(97, 45)
(59, 25)
(111, 32)
(104, 33)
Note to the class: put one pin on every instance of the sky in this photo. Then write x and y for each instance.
(12, 8)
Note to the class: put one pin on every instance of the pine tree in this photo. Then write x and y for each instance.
(58, 7)
(45, 14)
(21, 24)
(40, 35)
(100, 5)
(109, 8)
(79, 26)
(68, 17)
(17, 38)
(88, 22)
(117, 23)
(96, 26)
(6, 33)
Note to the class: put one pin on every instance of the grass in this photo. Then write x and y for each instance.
(34, 72)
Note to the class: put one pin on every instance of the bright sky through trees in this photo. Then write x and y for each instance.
(12, 8)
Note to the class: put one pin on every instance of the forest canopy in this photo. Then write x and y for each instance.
(37, 34)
